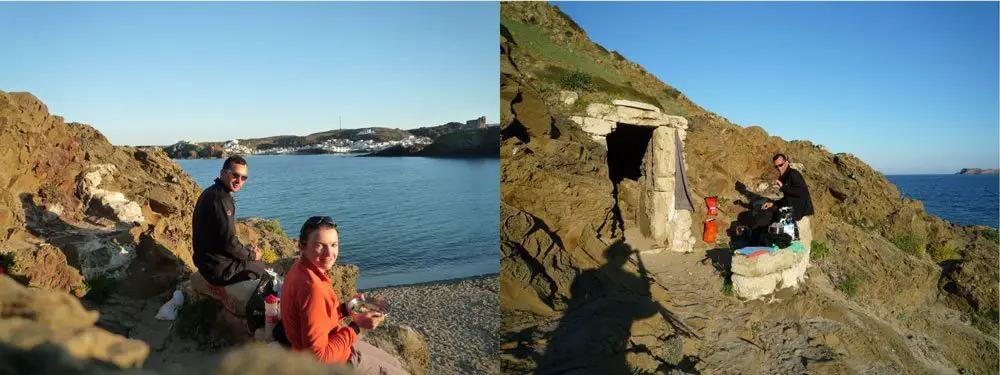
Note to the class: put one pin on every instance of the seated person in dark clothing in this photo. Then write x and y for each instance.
(220, 257)
(796, 195)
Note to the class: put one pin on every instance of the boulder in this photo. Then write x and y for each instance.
(31, 318)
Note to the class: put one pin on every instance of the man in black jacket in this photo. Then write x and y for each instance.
(796, 195)
(220, 257)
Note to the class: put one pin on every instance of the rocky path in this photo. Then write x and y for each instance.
(136, 319)
(812, 329)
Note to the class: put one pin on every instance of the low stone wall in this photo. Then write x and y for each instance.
(762, 275)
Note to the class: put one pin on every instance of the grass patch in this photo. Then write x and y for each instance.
(901, 317)
(849, 286)
(909, 244)
(268, 255)
(272, 226)
(673, 107)
(577, 81)
(986, 321)
(195, 320)
(100, 288)
(727, 288)
(595, 84)
(942, 252)
(990, 234)
(534, 41)
(818, 250)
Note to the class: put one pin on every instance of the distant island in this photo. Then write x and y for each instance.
(978, 171)
(454, 139)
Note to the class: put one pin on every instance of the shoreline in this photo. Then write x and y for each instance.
(442, 282)
(460, 318)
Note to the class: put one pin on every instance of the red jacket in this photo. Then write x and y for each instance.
(310, 314)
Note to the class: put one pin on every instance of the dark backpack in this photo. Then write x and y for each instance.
(255, 305)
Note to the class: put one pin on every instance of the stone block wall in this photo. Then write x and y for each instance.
(667, 227)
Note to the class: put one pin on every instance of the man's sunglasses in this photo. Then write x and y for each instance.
(242, 177)
(320, 220)
(778, 166)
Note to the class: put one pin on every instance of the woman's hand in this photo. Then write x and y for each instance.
(369, 320)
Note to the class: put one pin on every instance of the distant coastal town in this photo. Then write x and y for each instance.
(330, 146)
(458, 138)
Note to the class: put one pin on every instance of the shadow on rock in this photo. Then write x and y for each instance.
(124, 255)
(596, 334)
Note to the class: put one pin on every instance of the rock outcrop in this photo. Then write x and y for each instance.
(50, 332)
(873, 284)
(81, 217)
(32, 318)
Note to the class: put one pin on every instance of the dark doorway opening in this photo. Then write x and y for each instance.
(626, 148)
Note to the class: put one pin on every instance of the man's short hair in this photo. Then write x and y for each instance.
(782, 156)
(235, 159)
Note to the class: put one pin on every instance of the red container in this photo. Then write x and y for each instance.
(710, 231)
(712, 203)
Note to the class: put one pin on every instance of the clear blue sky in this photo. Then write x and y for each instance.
(907, 87)
(157, 73)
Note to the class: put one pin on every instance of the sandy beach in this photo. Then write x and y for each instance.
(461, 319)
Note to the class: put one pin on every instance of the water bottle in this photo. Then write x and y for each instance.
(272, 312)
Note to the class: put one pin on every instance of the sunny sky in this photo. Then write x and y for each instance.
(157, 73)
(908, 87)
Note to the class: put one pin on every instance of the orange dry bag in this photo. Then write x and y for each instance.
(711, 203)
(710, 231)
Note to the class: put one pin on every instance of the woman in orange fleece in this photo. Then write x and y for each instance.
(311, 313)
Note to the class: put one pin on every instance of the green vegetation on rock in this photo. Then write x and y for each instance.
(909, 243)
(986, 321)
(990, 234)
(818, 250)
(849, 286)
(273, 226)
(942, 252)
(268, 255)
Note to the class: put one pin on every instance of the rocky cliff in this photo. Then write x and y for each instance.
(892, 289)
(80, 217)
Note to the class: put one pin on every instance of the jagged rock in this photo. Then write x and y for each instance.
(43, 266)
(111, 203)
(34, 317)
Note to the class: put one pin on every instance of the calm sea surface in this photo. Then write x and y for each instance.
(402, 220)
(960, 199)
